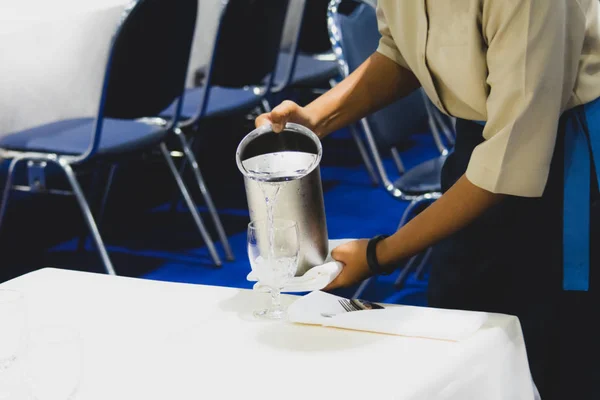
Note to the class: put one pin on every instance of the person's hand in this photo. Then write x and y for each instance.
(288, 111)
(354, 257)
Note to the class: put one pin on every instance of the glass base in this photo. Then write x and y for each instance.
(272, 314)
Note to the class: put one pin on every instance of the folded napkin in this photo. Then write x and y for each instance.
(315, 278)
(424, 322)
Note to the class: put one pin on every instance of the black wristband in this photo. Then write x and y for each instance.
(374, 266)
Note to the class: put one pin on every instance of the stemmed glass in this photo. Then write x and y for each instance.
(273, 248)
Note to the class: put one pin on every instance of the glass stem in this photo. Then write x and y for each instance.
(275, 299)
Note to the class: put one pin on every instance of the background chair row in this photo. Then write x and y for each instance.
(145, 113)
(142, 105)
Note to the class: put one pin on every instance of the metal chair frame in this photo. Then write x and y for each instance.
(434, 119)
(37, 161)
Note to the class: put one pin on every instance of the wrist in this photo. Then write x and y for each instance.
(316, 123)
(373, 262)
(384, 254)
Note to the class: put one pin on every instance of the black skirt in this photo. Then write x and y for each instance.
(510, 261)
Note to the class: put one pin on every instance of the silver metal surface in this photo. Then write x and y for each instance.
(299, 199)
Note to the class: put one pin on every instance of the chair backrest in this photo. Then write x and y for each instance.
(289, 45)
(314, 36)
(355, 36)
(150, 58)
(247, 45)
(147, 62)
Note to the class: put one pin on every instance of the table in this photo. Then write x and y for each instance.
(148, 340)
(54, 55)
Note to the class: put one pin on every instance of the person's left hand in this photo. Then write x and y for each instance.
(354, 257)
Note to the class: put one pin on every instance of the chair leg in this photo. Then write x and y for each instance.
(191, 206)
(87, 214)
(410, 208)
(437, 136)
(205, 193)
(398, 160)
(410, 265)
(419, 268)
(109, 181)
(266, 106)
(363, 154)
(8, 187)
(182, 168)
(100, 215)
(375, 153)
(363, 286)
(420, 271)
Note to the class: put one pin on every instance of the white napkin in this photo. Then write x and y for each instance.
(432, 323)
(315, 278)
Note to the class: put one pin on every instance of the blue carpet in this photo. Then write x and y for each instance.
(147, 239)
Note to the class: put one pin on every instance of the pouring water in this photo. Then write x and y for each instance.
(283, 181)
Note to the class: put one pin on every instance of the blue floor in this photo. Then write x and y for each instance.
(145, 238)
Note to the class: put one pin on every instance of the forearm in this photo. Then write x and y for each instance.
(376, 83)
(456, 209)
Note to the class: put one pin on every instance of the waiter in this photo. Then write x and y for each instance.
(512, 230)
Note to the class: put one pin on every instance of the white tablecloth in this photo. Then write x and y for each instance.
(154, 340)
(53, 56)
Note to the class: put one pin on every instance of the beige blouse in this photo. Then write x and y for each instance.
(516, 64)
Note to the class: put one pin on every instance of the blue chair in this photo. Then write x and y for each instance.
(355, 36)
(242, 64)
(307, 62)
(120, 127)
(239, 76)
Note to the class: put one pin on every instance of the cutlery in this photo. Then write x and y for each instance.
(350, 305)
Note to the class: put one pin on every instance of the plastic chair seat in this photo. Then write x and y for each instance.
(309, 71)
(222, 101)
(424, 178)
(73, 136)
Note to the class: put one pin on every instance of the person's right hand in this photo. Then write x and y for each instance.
(288, 111)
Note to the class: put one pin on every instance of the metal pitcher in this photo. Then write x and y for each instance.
(300, 196)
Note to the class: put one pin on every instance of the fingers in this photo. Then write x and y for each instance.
(354, 270)
(261, 120)
(340, 253)
(335, 284)
(279, 116)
